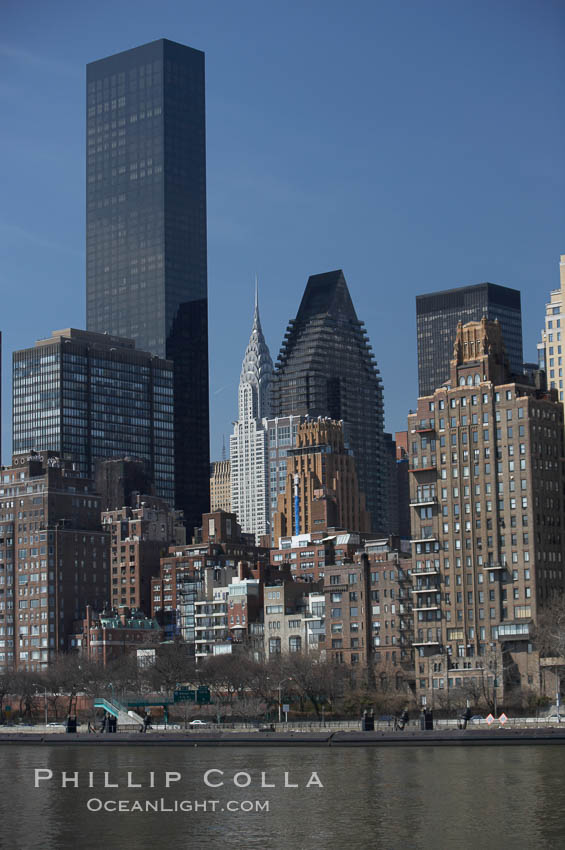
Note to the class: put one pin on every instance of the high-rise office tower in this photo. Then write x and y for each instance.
(248, 443)
(487, 520)
(146, 230)
(89, 397)
(220, 486)
(550, 356)
(322, 489)
(437, 316)
(326, 368)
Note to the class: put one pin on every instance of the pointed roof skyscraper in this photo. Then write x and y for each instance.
(256, 372)
(326, 367)
(248, 443)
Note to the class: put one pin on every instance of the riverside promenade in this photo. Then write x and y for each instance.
(210, 738)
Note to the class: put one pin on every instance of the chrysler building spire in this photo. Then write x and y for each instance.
(256, 372)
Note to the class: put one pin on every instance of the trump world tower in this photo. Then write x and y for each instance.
(146, 230)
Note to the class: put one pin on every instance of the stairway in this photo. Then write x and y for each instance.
(126, 719)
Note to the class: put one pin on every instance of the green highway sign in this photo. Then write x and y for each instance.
(184, 695)
(203, 695)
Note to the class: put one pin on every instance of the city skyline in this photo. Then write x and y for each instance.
(263, 183)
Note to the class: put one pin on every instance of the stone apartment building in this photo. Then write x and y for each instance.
(293, 617)
(486, 469)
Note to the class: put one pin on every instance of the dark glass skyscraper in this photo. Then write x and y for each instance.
(146, 230)
(89, 397)
(437, 315)
(326, 368)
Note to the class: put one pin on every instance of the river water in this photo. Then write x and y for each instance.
(421, 797)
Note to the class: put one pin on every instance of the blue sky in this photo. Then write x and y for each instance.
(417, 145)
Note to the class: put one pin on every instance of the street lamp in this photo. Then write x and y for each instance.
(281, 683)
(36, 685)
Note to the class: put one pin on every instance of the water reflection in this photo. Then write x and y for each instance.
(385, 798)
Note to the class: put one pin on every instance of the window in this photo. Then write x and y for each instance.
(274, 646)
(295, 643)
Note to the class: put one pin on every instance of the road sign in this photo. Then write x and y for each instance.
(490, 719)
(503, 718)
(286, 708)
(203, 695)
(184, 696)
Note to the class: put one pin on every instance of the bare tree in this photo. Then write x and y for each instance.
(314, 679)
(173, 665)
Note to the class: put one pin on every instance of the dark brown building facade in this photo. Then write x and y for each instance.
(139, 536)
(54, 558)
(322, 488)
(486, 472)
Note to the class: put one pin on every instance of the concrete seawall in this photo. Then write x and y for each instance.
(470, 737)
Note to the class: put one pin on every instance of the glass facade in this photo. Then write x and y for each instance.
(437, 315)
(326, 368)
(87, 398)
(146, 230)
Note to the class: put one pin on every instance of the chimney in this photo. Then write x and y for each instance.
(209, 583)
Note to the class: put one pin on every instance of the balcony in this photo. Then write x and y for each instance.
(426, 538)
(426, 607)
(209, 623)
(423, 500)
(424, 425)
(495, 566)
(431, 571)
(209, 637)
(427, 465)
(434, 589)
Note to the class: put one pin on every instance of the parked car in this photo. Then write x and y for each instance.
(197, 723)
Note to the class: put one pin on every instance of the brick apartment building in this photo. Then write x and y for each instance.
(54, 558)
(214, 557)
(486, 458)
(139, 534)
(307, 555)
(103, 637)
